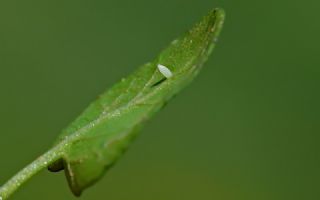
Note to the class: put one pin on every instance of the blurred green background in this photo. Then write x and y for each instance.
(247, 128)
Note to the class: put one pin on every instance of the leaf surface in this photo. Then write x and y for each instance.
(94, 141)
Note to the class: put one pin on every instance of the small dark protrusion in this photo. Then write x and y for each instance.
(57, 166)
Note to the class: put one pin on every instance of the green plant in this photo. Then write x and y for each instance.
(93, 142)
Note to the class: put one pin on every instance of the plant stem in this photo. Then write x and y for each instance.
(33, 168)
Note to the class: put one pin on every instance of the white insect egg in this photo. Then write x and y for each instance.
(165, 71)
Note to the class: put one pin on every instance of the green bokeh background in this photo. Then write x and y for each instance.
(247, 128)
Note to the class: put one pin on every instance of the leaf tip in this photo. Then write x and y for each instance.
(217, 17)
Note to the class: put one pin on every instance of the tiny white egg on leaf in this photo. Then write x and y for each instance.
(165, 71)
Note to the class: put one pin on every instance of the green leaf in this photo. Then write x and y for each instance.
(105, 129)
(100, 135)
